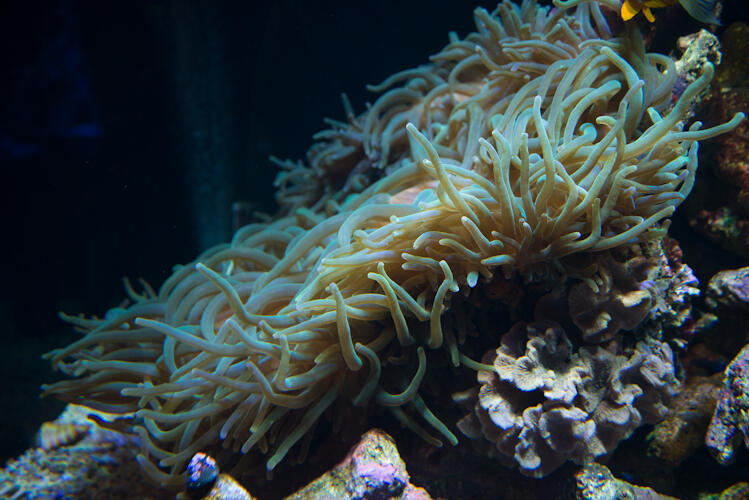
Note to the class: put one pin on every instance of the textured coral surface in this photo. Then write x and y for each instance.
(543, 404)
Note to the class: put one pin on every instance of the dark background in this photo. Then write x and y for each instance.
(127, 129)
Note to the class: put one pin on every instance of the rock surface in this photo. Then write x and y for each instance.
(373, 470)
(730, 421)
(682, 432)
(596, 482)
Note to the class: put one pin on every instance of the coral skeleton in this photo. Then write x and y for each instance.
(539, 136)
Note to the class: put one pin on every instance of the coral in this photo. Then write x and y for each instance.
(338, 165)
(538, 137)
(679, 435)
(646, 281)
(543, 404)
(596, 482)
(730, 421)
(372, 470)
(620, 301)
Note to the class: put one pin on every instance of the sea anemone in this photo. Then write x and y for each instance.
(539, 136)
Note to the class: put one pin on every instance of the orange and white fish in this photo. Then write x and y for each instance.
(702, 10)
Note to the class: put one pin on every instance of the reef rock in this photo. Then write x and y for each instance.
(729, 288)
(727, 295)
(373, 469)
(596, 482)
(731, 418)
(680, 434)
(734, 69)
(672, 285)
(642, 283)
(697, 49)
(543, 404)
(227, 488)
(739, 491)
(619, 302)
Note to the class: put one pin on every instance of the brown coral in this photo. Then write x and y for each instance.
(596, 482)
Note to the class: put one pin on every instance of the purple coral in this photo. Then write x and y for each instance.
(543, 404)
(731, 418)
(672, 287)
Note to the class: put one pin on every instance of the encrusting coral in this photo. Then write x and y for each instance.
(539, 136)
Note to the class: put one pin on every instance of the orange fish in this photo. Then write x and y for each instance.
(702, 10)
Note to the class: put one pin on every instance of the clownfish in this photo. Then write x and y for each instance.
(702, 10)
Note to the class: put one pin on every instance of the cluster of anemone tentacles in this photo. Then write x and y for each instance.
(538, 136)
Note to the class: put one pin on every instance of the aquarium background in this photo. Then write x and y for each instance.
(132, 134)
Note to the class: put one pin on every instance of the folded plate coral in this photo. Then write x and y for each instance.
(619, 302)
(539, 136)
(543, 404)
